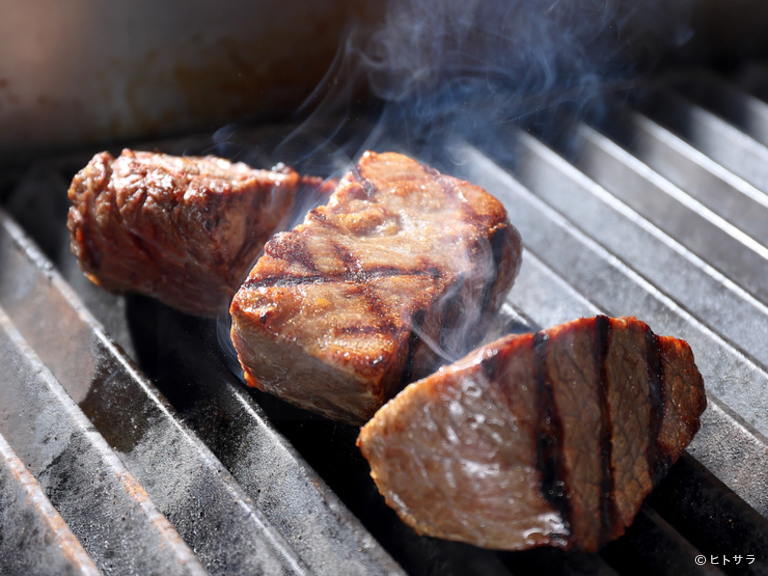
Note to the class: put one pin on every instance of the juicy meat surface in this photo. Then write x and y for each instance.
(185, 230)
(345, 309)
(553, 438)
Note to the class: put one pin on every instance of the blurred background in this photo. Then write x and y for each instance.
(88, 71)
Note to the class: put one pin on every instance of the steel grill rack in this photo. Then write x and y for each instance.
(128, 446)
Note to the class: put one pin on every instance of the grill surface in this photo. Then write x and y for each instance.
(127, 446)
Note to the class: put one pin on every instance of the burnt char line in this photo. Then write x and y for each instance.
(299, 252)
(609, 512)
(357, 276)
(491, 365)
(413, 344)
(318, 218)
(450, 307)
(658, 462)
(549, 445)
(376, 307)
(498, 242)
(343, 254)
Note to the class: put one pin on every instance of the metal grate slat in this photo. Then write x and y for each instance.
(704, 292)
(730, 197)
(705, 131)
(723, 245)
(615, 289)
(104, 506)
(188, 484)
(660, 216)
(717, 94)
(34, 539)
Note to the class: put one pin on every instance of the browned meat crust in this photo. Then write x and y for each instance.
(185, 230)
(552, 438)
(337, 315)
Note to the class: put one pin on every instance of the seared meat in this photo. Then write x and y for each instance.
(549, 438)
(185, 230)
(345, 309)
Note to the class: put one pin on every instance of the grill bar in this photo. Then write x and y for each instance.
(224, 414)
(720, 96)
(752, 77)
(104, 506)
(734, 453)
(660, 220)
(724, 193)
(710, 516)
(702, 231)
(652, 546)
(49, 545)
(183, 478)
(706, 293)
(294, 497)
(537, 562)
(616, 289)
(711, 135)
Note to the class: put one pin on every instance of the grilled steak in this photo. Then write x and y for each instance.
(345, 309)
(550, 438)
(185, 230)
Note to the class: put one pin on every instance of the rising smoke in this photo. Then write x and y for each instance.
(464, 68)
(448, 70)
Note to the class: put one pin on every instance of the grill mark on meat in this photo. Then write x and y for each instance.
(491, 365)
(355, 276)
(451, 309)
(525, 380)
(609, 513)
(377, 308)
(318, 216)
(549, 450)
(300, 253)
(413, 344)
(658, 462)
(343, 254)
(498, 242)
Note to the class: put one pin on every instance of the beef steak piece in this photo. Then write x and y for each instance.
(345, 309)
(552, 438)
(185, 230)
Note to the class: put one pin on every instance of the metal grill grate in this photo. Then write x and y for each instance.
(149, 456)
